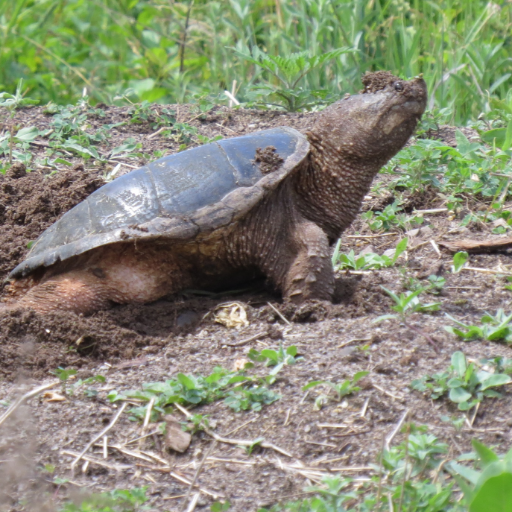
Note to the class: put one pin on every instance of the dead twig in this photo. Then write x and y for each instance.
(279, 314)
(432, 210)
(474, 415)
(364, 408)
(181, 479)
(345, 343)
(24, 398)
(193, 502)
(99, 436)
(425, 335)
(237, 442)
(99, 462)
(382, 390)
(232, 98)
(436, 247)
(397, 428)
(236, 429)
(487, 271)
(194, 480)
(255, 337)
(147, 417)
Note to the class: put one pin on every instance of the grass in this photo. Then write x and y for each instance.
(174, 52)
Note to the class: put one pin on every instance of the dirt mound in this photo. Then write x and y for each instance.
(32, 201)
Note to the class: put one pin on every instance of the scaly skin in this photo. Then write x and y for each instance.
(286, 238)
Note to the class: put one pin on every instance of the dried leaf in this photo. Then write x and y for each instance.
(53, 396)
(232, 315)
(240, 364)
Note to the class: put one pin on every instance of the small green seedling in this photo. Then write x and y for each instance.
(459, 260)
(390, 217)
(416, 456)
(368, 261)
(434, 285)
(494, 328)
(197, 422)
(64, 374)
(347, 387)
(243, 399)
(456, 421)
(409, 478)
(220, 506)
(14, 101)
(407, 303)
(276, 358)
(465, 384)
(68, 388)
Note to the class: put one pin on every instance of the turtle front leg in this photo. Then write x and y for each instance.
(310, 274)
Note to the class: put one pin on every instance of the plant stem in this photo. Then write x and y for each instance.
(184, 38)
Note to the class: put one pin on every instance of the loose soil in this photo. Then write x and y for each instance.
(131, 345)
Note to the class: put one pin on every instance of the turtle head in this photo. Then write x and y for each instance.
(373, 126)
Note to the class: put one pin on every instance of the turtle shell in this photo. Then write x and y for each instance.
(176, 197)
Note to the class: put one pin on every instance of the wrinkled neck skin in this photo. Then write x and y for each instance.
(332, 187)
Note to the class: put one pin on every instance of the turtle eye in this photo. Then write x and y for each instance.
(399, 86)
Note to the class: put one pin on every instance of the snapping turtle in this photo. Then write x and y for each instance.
(266, 204)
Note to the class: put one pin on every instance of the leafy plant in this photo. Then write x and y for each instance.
(403, 481)
(347, 387)
(434, 285)
(465, 384)
(240, 392)
(490, 488)
(276, 358)
(14, 101)
(288, 72)
(242, 399)
(494, 328)
(368, 261)
(69, 387)
(499, 364)
(456, 421)
(390, 217)
(472, 168)
(414, 457)
(407, 303)
(183, 389)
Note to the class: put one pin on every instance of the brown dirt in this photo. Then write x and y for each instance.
(130, 345)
